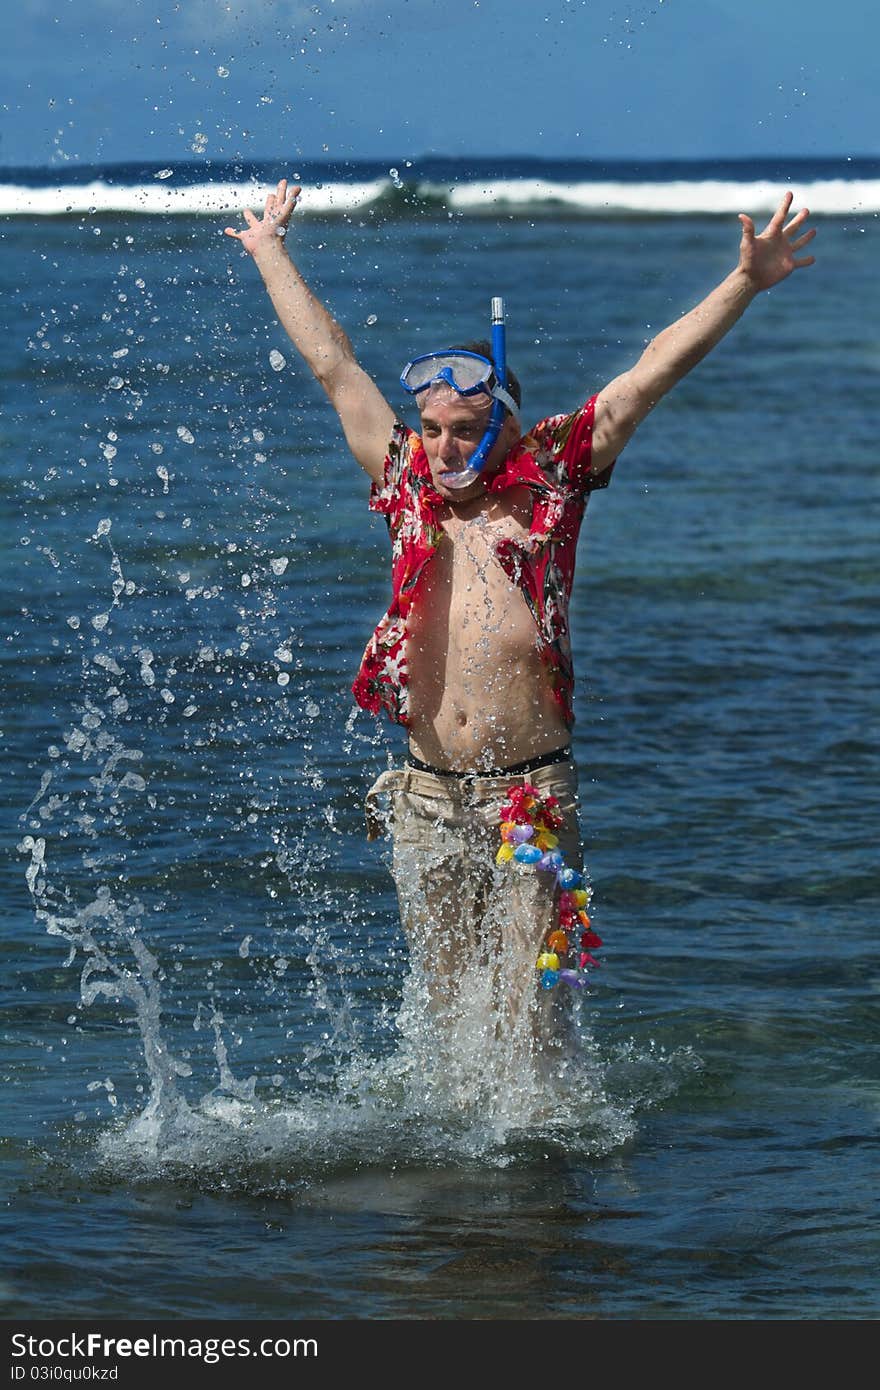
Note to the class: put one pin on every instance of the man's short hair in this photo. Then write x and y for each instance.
(484, 348)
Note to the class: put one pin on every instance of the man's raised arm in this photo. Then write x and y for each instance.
(764, 260)
(366, 416)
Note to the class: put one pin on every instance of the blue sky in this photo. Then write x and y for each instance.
(92, 80)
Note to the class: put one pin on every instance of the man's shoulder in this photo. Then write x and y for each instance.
(562, 446)
(405, 473)
(556, 432)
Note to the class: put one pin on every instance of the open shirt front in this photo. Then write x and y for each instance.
(554, 461)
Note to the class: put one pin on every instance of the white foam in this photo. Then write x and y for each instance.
(830, 197)
(163, 199)
(679, 197)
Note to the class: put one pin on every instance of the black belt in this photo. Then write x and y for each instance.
(559, 755)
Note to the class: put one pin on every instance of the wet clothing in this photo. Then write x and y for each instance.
(560, 755)
(554, 461)
(461, 910)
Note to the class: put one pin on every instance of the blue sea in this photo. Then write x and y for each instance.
(215, 1103)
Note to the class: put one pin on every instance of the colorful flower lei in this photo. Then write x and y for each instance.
(528, 825)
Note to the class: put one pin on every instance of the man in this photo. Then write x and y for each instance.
(473, 655)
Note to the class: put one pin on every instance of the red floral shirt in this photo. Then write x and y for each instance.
(554, 462)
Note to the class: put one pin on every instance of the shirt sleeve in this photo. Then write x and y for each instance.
(385, 492)
(568, 441)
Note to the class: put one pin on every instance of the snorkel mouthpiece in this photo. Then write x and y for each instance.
(499, 357)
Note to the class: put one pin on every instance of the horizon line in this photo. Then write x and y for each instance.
(74, 161)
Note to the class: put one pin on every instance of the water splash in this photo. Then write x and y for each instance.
(349, 1065)
(450, 1090)
(453, 1087)
(116, 965)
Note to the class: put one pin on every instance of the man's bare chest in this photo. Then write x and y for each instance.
(472, 543)
(465, 579)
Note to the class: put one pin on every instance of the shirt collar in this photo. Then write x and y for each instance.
(519, 469)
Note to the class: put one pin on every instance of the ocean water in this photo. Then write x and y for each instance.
(219, 1100)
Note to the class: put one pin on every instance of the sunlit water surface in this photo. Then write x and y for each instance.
(220, 1096)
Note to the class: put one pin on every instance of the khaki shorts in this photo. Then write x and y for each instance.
(459, 909)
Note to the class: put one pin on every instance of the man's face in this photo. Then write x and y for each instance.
(452, 427)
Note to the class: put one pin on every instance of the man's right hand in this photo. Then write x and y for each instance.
(365, 415)
(276, 215)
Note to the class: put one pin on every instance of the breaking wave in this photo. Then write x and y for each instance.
(526, 188)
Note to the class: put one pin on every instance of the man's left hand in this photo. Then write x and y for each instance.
(770, 257)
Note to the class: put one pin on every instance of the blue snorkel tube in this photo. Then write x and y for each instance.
(496, 419)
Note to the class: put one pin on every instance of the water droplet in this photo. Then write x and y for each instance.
(222, 72)
(283, 677)
(186, 435)
(277, 361)
(108, 664)
(279, 564)
(311, 710)
(116, 383)
(163, 174)
(372, 318)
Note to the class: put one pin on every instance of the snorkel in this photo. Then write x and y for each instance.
(478, 458)
(469, 374)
